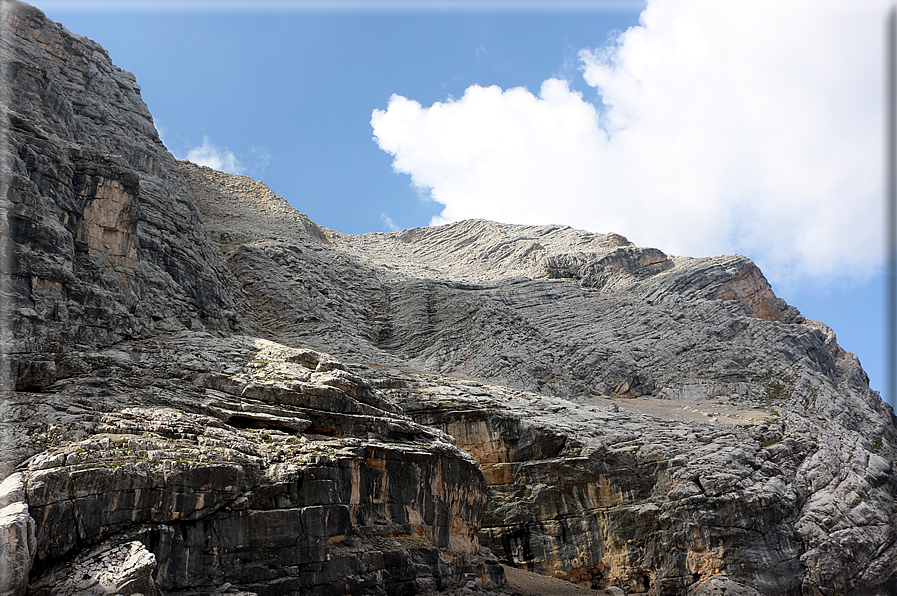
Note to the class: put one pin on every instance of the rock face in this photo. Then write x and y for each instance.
(259, 469)
(105, 241)
(204, 391)
(158, 449)
(17, 535)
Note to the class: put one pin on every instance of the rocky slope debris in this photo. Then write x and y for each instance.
(206, 392)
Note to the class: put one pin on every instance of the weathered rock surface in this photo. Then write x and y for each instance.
(206, 392)
(104, 240)
(276, 480)
(17, 537)
(125, 569)
(684, 423)
(157, 450)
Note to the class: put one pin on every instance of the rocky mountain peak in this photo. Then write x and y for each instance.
(209, 393)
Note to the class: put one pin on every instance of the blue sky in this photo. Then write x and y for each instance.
(705, 128)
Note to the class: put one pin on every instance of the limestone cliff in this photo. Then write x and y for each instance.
(105, 241)
(661, 424)
(204, 391)
(147, 445)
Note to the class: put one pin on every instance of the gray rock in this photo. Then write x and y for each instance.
(104, 240)
(256, 471)
(124, 568)
(721, 586)
(203, 387)
(672, 395)
(248, 487)
(17, 537)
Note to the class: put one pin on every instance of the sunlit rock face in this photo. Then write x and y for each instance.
(655, 423)
(157, 448)
(259, 469)
(208, 392)
(644, 421)
(104, 240)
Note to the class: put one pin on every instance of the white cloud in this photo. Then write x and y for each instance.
(215, 157)
(751, 127)
(387, 221)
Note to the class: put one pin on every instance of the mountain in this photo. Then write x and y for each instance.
(206, 392)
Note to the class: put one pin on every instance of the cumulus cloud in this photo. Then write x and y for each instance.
(215, 157)
(711, 127)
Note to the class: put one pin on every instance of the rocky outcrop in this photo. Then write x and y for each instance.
(104, 240)
(206, 392)
(654, 497)
(644, 421)
(265, 474)
(124, 568)
(17, 537)
(157, 449)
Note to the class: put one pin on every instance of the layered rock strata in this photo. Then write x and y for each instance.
(254, 465)
(644, 421)
(654, 497)
(104, 241)
(589, 409)
(156, 451)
